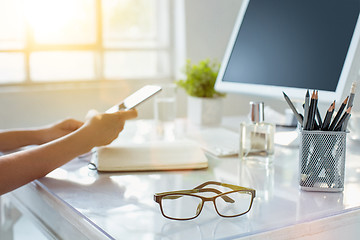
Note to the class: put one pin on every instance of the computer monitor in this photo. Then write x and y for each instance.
(291, 46)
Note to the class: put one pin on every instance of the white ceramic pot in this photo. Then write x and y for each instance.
(204, 111)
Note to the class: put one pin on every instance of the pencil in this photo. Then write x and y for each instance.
(306, 107)
(315, 126)
(352, 95)
(338, 114)
(312, 109)
(318, 117)
(292, 107)
(342, 120)
(328, 116)
(344, 126)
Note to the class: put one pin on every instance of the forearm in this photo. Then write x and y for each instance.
(10, 140)
(23, 167)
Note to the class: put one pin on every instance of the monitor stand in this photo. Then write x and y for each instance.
(287, 138)
(288, 135)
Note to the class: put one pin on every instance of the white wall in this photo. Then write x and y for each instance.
(209, 24)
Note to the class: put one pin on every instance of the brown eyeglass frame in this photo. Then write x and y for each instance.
(199, 189)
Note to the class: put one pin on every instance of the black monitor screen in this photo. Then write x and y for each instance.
(293, 43)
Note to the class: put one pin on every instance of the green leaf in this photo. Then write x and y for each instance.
(200, 79)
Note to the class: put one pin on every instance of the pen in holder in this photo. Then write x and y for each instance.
(322, 160)
(322, 143)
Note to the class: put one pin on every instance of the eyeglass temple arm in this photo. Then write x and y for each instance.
(157, 195)
(214, 190)
(231, 186)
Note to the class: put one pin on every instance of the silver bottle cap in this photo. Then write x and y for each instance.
(257, 112)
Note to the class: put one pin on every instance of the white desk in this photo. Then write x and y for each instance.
(74, 202)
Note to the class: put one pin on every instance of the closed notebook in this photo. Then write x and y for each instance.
(150, 156)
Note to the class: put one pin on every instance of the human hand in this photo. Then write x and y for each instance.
(60, 129)
(102, 129)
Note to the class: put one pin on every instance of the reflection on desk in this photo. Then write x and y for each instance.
(121, 206)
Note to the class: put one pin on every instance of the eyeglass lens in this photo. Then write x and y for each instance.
(181, 206)
(240, 205)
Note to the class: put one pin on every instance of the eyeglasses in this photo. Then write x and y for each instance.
(186, 205)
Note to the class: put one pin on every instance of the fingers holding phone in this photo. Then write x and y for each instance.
(102, 129)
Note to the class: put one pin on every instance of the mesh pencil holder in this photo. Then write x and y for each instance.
(322, 160)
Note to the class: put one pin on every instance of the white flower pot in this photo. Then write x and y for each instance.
(204, 111)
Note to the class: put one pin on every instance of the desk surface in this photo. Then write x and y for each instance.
(121, 205)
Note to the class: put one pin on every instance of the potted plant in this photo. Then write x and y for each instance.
(204, 102)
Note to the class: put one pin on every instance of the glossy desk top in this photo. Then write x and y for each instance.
(122, 206)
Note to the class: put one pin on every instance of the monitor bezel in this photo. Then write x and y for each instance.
(276, 91)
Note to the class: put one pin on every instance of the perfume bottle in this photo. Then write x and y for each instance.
(257, 136)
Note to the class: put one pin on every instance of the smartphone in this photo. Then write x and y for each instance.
(136, 98)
